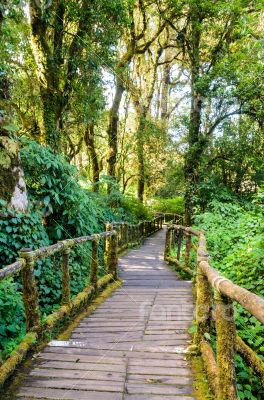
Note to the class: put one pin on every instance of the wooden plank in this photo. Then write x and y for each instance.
(81, 366)
(64, 356)
(156, 397)
(73, 374)
(135, 388)
(59, 394)
(163, 379)
(75, 384)
(139, 369)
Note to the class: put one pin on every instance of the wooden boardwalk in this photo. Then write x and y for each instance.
(131, 347)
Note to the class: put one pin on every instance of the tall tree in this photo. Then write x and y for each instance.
(59, 37)
(136, 40)
(12, 184)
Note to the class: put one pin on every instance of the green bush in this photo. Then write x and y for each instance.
(68, 209)
(174, 205)
(134, 207)
(12, 317)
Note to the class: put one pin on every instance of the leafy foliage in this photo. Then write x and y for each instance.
(174, 205)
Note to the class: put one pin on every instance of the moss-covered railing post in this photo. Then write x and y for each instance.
(94, 263)
(167, 243)
(188, 246)
(107, 247)
(111, 251)
(180, 237)
(225, 348)
(30, 293)
(204, 298)
(65, 278)
(126, 237)
(114, 256)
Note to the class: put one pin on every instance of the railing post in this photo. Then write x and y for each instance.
(114, 257)
(30, 293)
(180, 236)
(65, 279)
(204, 298)
(111, 251)
(107, 246)
(94, 263)
(167, 243)
(126, 235)
(225, 348)
(188, 246)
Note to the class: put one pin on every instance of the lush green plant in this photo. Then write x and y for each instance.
(12, 327)
(133, 206)
(174, 205)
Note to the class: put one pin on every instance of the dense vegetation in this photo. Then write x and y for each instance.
(110, 110)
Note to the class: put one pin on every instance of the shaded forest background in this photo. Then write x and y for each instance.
(111, 110)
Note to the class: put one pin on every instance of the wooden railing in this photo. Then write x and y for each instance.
(170, 218)
(116, 238)
(215, 296)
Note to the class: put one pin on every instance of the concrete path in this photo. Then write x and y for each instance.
(131, 347)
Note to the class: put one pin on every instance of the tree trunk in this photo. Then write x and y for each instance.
(12, 183)
(89, 141)
(194, 153)
(140, 157)
(165, 91)
(112, 131)
(51, 119)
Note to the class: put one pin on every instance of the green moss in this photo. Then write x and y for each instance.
(16, 357)
(200, 384)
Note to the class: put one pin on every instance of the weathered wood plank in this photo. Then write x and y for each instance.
(59, 394)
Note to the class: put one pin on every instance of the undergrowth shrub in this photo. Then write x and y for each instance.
(174, 205)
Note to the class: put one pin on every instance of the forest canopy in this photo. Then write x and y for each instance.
(160, 99)
(112, 110)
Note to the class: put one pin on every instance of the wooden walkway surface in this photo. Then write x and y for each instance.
(131, 347)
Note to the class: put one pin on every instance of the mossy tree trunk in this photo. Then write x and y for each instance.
(136, 44)
(113, 130)
(12, 184)
(56, 59)
(140, 158)
(165, 88)
(90, 143)
(193, 155)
